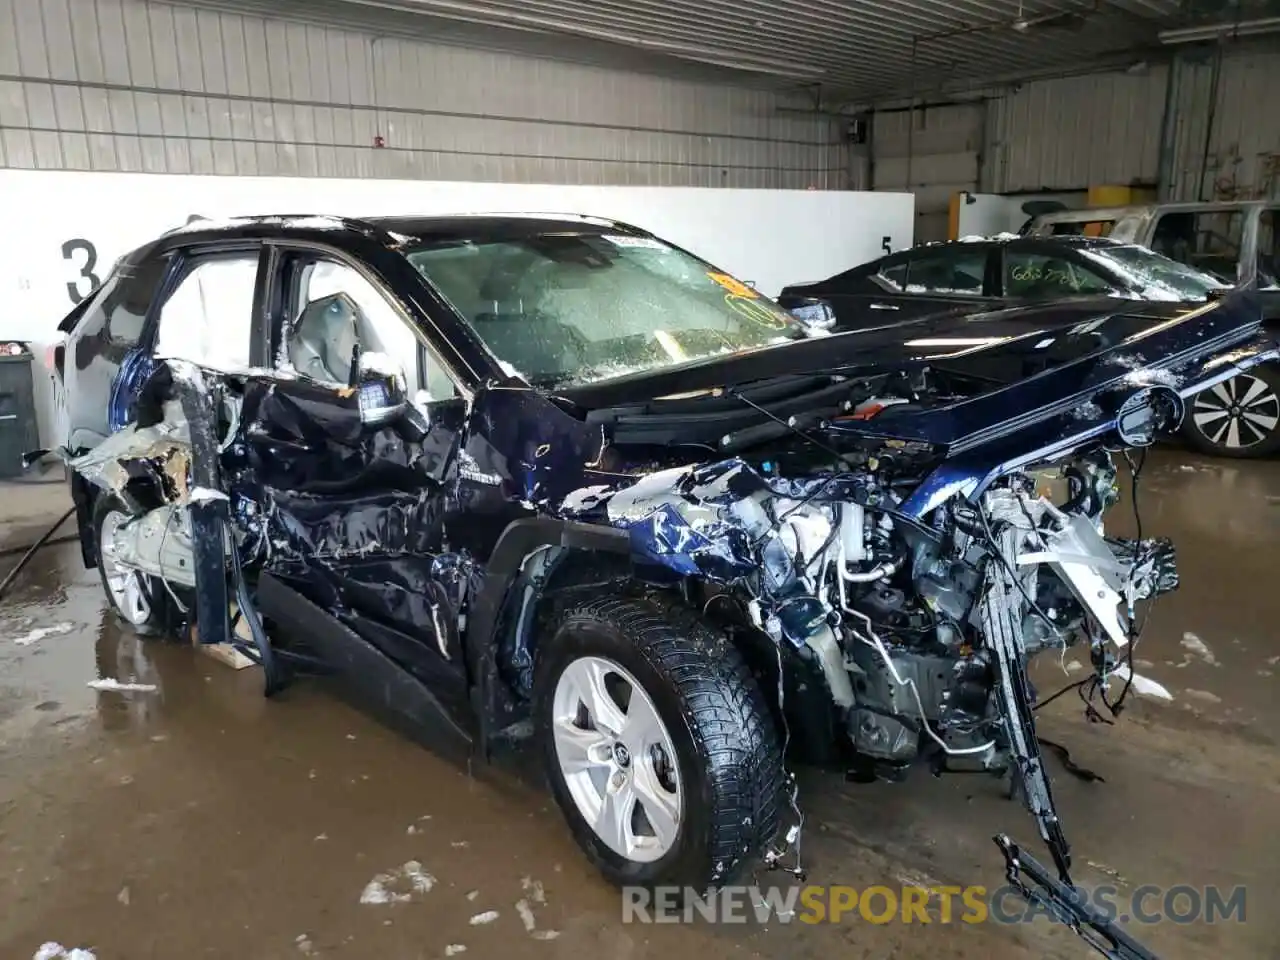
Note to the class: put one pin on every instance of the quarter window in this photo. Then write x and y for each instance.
(894, 277)
(951, 272)
(118, 311)
(208, 319)
(127, 304)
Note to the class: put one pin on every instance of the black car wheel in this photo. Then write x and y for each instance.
(1239, 417)
(658, 743)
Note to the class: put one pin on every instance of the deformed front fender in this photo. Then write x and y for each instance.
(521, 538)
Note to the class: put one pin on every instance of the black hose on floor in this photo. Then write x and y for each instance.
(31, 552)
(23, 548)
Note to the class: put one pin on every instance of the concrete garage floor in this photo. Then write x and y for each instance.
(201, 820)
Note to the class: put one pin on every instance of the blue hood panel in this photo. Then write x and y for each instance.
(1048, 374)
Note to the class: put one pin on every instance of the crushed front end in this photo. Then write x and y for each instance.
(919, 622)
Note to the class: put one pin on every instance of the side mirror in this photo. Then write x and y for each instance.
(817, 316)
(381, 383)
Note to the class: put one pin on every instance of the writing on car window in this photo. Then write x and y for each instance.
(1046, 275)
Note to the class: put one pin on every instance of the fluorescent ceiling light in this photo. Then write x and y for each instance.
(1221, 31)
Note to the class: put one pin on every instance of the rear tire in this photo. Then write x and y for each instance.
(1239, 417)
(684, 737)
(138, 600)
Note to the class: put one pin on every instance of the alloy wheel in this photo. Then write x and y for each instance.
(1237, 413)
(126, 587)
(617, 758)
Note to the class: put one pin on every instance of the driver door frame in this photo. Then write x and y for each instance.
(421, 648)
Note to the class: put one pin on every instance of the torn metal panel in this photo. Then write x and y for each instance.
(166, 442)
(159, 544)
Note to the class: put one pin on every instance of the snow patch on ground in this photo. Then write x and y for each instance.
(1204, 695)
(1143, 686)
(536, 895)
(56, 951)
(1197, 646)
(482, 918)
(110, 683)
(398, 885)
(526, 915)
(39, 633)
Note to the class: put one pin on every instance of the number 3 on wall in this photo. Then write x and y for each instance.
(75, 289)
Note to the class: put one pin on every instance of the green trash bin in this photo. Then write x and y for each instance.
(19, 432)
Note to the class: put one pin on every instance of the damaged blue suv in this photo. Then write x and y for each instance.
(503, 473)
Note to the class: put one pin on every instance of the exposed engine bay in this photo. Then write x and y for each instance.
(921, 629)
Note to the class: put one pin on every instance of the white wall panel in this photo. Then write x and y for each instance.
(140, 85)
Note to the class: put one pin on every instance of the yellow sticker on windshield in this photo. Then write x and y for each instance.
(736, 287)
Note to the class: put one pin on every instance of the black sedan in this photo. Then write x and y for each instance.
(1238, 418)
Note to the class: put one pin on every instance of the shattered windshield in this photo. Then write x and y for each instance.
(1155, 276)
(563, 309)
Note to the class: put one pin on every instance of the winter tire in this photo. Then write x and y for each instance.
(658, 743)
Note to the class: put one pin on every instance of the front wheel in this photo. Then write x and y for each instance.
(1239, 417)
(658, 744)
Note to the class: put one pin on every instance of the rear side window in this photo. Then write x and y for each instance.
(894, 277)
(955, 271)
(208, 319)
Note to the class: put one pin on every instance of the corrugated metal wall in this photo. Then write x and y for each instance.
(1226, 133)
(933, 152)
(146, 86)
(1069, 133)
